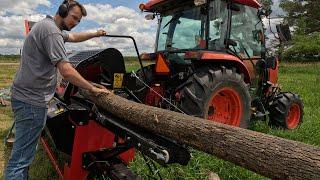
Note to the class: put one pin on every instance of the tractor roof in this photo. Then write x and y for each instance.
(153, 5)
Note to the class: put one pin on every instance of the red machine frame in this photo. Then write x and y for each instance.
(88, 138)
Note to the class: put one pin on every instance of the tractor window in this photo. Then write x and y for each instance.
(218, 24)
(184, 29)
(247, 32)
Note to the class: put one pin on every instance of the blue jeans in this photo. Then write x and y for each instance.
(29, 123)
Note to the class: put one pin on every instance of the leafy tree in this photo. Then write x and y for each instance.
(304, 15)
(304, 48)
(266, 3)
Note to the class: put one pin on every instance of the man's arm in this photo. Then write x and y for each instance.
(72, 75)
(83, 36)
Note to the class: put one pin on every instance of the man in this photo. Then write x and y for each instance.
(34, 84)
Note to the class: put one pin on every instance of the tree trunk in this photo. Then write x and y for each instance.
(267, 155)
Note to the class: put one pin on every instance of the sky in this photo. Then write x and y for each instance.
(117, 17)
(121, 17)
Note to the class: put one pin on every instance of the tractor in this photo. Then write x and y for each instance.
(211, 62)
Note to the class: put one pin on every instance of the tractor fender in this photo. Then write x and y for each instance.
(227, 58)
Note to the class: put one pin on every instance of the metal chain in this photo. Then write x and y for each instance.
(135, 75)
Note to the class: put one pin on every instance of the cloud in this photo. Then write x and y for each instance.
(119, 21)
(8, 43)
(12, 32)
(8, 46)
(105, 13)
(18, 7)
(13, 26)
(12, 16)
(115, 20)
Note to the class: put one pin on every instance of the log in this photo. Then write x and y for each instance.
(270, 156)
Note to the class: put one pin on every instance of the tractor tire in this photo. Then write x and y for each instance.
(217, 94)
(286, 111)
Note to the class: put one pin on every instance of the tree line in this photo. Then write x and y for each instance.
(303, 17)
(9, 57)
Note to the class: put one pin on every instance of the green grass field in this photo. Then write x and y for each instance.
(6, 75)
(303, 79)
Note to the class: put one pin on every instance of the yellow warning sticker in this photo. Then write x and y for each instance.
(118, 79)
(58, 111)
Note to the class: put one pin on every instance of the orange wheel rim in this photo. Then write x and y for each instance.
(293, 117)
(226, 107)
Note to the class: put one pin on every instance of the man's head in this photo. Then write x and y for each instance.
(71, 13)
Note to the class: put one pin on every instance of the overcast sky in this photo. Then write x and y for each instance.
(115, 16)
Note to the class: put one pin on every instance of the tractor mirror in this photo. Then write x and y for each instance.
(283, 32)
(150, 17)
(234, 7)
(199, 2)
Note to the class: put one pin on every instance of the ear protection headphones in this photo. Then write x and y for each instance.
(64, 9)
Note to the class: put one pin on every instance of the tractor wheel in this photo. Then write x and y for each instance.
(219, 94)
(286, 111)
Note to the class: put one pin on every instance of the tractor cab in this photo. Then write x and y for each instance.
(215, 26)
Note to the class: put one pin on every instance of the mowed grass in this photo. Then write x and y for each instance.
(7, 72)
(6, 75)
(303, 79)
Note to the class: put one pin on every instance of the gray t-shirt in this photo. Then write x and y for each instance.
(36, 78)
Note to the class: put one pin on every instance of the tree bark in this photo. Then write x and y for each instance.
(264, 154)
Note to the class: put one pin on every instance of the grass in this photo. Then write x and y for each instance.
(303, 79)
(6, 75)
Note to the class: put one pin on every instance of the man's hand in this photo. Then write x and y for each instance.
(97, 89)
(101, 32)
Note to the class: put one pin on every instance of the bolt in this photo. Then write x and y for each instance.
(139, 145)
(80, 123)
